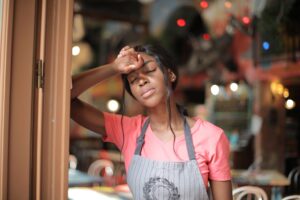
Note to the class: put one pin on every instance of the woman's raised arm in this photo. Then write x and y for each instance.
(85, 114)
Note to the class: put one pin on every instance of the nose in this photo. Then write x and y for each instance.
(142, 81)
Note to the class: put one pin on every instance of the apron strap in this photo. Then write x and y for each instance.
(140, 140)
(189, 140)
(187, 135)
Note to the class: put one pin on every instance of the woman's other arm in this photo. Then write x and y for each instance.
(221, 190)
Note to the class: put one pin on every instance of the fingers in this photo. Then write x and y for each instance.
(140, 61)
(125, 51)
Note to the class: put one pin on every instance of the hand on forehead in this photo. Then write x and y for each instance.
(127, 50)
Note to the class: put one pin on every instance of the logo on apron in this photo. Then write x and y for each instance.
(156, 186)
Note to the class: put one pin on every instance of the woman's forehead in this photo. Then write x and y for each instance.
(145, 56)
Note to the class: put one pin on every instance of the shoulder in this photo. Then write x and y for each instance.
(206, 127)
(207, 132)
(125, 121)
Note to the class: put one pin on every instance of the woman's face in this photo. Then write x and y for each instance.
(147, 83)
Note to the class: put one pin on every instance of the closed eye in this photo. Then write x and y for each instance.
(132, 80)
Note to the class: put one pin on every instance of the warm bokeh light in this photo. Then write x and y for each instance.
(286, 93)
(75, 50)
(234, 87)
(228, 4)
(113, 105)
(204, 4)
(215, 89)
(246, 20)
(206, 36)
(273, 87)
(290, 104)
(181, 22)
(279, 89)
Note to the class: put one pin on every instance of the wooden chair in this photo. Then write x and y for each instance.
(72, 161)
(103, 168)
(294, 178)
(292, 197)
(249, 191)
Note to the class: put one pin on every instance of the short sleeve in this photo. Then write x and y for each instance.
(120, 128)
(219, 167)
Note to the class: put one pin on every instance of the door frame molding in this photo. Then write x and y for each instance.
(56, 107)
(18, 39)
(5, 73)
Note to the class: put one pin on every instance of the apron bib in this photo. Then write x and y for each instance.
(163, 180)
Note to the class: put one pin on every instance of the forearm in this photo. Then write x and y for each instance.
(221, 190)
(85, 80)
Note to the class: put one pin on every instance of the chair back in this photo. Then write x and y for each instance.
(292, 197)
(72, 162)
(97, 167)
(294, 178)
(103, 168)
(249, 191)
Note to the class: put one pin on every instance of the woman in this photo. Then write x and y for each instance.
(167, 155)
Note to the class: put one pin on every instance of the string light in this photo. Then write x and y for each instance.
(214, 89)
(206, 36)
(286, 93)
(181, 22)
(246, 20)
(204, 4)
(266, 45)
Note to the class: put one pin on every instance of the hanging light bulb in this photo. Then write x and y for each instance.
(75, 50)
(234, 87)
(215, 89)
(113, 105)
(290, 104)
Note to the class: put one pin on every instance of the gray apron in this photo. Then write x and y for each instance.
(163, 180)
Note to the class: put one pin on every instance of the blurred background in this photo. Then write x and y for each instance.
(239, 69)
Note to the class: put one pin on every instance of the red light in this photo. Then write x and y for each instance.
(181, 22)
(204, 4)
(246, 20)
(206, 36)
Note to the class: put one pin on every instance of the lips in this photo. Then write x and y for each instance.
(148, 92)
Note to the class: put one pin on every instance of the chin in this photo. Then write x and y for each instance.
(152, 102)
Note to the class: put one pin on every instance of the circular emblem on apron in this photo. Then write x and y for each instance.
(157, 186)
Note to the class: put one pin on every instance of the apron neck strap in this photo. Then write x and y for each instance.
(187, 134)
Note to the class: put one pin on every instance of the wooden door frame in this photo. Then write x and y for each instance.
(17, 60)
(5, 63)
(56, 118)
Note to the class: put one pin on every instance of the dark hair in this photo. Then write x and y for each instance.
(163, 60)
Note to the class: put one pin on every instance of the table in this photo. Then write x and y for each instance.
(79, 178)
(99, 192)
(261, 178)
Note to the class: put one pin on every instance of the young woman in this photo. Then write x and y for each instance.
(167, 155)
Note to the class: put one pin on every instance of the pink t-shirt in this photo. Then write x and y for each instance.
(210, 143)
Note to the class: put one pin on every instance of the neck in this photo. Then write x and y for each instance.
(159, 117)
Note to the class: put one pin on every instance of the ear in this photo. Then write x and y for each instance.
(172, 76)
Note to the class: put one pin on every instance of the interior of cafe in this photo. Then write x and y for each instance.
(239, 68)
